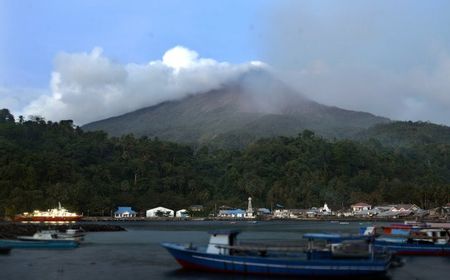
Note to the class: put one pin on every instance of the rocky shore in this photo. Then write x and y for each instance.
(12, 230)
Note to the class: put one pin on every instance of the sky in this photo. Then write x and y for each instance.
(89, 59)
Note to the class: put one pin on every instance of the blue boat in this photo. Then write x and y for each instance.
(38, 244)
(225, 254)
(412, 247)
(424, 241)
(334, 237)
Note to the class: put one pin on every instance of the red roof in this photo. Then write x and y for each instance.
(360, 204)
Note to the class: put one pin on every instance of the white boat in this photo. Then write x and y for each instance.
(54, 235)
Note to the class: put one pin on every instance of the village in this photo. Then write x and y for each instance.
(360, 210)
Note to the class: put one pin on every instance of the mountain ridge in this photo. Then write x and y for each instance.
(257, 105)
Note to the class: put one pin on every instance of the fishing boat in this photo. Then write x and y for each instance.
(54, 235)
(411, 239)
(68, 234)
(425, 241)
(42, 241)
(55, 215)
(224, 253)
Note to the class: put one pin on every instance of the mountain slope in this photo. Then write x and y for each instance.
(406, 134)
(257, 105)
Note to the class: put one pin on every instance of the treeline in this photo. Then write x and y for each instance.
(43, 162)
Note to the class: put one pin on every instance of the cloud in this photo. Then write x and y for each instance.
(15, 99)
(87, 87)
(364, 56)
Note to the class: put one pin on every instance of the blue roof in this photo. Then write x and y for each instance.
(123, 209)
(264, 210)
(232, 212)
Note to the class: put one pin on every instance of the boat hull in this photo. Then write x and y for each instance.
(414, 248)
(41, 219)
(38, 244)
(191, 259)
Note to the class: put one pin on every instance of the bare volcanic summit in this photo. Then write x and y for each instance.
(254, 106)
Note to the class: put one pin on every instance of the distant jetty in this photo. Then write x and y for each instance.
(12, 230)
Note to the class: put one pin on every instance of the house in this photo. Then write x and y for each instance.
(361, 206)
(233, 213)
(183, 213)
(405, 207)
(298, 213)
(383, 208)
(281, 213)
(399, 210)
(124, 212)
(196, 208)
(263, 212)
(312, 212)
(159, 212)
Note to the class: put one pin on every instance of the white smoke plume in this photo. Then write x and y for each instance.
(87, 87)
(381, 57)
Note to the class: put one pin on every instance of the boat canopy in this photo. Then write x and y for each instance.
(332, 237)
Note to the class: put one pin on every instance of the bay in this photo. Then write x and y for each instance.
(137, 254)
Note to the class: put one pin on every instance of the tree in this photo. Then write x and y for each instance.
(6, 116)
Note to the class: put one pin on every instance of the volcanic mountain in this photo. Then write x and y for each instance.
(255, 105)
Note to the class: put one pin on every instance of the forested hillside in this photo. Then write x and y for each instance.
(43, 162)
(407, 134)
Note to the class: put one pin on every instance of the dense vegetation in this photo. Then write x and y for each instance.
(407, 134)
(42, 163)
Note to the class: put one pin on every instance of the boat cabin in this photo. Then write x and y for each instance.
(220, 240)
(434, 235)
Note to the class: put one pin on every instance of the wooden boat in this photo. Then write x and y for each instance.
(413, 240)
(38, 244)
(426, 241)
(69, 234)
(225, 254)
(39, 240)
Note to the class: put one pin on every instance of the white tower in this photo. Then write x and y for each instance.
(249, 213)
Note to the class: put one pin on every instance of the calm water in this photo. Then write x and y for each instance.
(136, 254)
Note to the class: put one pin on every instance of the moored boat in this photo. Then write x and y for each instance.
(412, 240)
(225, 254)
(54, 235)
(57, 215)
(426, 241)
(37, 244)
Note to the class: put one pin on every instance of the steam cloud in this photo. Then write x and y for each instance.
(89, 86)
(376, 56)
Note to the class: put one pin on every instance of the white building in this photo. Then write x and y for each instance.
(233, 213)
(361, 206)
(183, 213)
(325, 210)
(159, 212)
(281, 213)
(124, 212)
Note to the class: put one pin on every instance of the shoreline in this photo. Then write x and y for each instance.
(262, 219)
